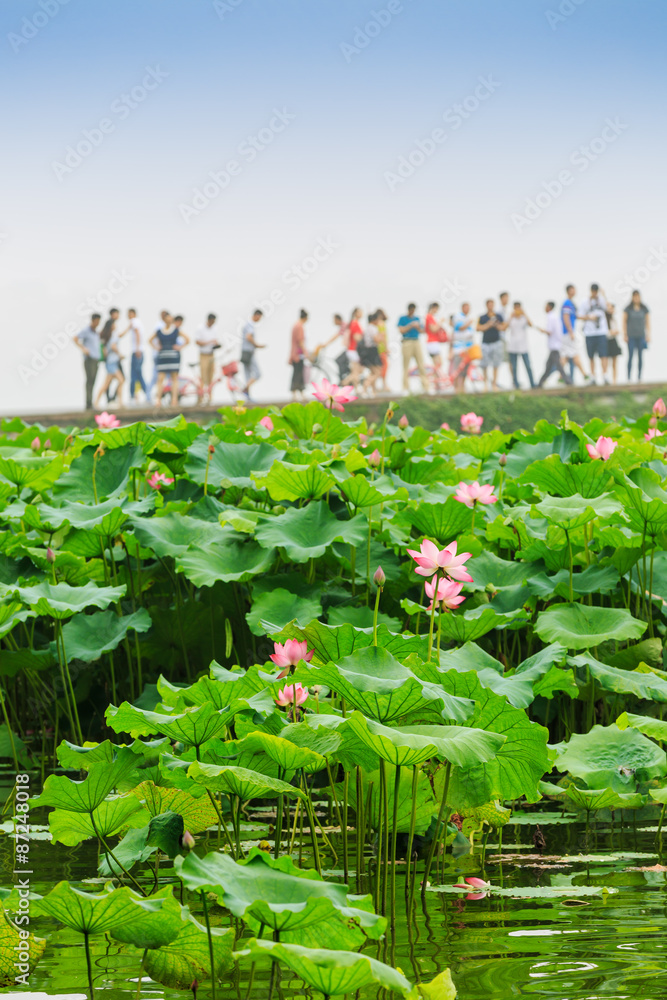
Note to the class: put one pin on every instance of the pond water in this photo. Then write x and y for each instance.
(589, 919)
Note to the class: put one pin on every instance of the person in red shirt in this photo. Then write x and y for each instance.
(436, 336)
(354, 336)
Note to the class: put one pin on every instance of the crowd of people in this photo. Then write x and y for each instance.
(465, 350)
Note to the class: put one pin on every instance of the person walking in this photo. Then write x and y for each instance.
(169, 341)
(517, 344)
(436, 336)
(383, 347)
(613, 347)
(596, 330)
(554, 331)
(88, 342)
(136, 330)
(297, 357)
(207, 342)
(636, 331)
(493, 351)
(369, 354)
(114, 372)
(568, 315)
(354, 338)
(409, 327)
(248, 347)
(463, 339)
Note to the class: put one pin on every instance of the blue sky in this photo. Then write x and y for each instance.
(328, 169)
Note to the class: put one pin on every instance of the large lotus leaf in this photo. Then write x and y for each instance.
(280, 607)
(520, 762)
(351, 752)
(231, 780)
(39, 472)
(648, 685)
(657, 728)
(171, 534)
(274, 891)
(59, 600)
(646, 499)
(482, 446)
(93, 914)
(230, 464)
(360, 492)
(286, 481)
(409, 745)
(332, 643)
(76, 758)
(192, 805)
(193, 726)
(109, 818)
(220, 689)
(487, 568)
(472, 625)
(592, 799)
(111, 474)
(648, 651)
(595, 579)
(374, 681)
(234, 557)
(332, 972)
(62, 792)
(441, 522)
(10, 944)
(361, 617)
(133, 848)
(609, 757)
(558, 478)
(87, 637)
(574, 511)
(153, 927)
(187, 958)
(580, 626)
(11, 613)
(104, 519)
(303, 417)
(306, 532)
(534, 676)
(283, 752)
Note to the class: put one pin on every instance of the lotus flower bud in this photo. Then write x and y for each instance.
(47, 443)
(379, 579)
(445, 426)
(50, 555)
(390, 414)
(335, 451)
(240, 410)
(211, 449)
(187, 840)
(659, 408)
(502, 461)
(653, 422)
(375, 459)
(317, 429)
(404, 422)
(363, 440)
(35, 444)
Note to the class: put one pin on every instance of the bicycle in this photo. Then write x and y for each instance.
(191, 389)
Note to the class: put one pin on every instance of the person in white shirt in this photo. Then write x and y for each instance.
(207, 343)
(554, 331)
(517, 343)
(248, 347)
(136, 330)
(596, 330)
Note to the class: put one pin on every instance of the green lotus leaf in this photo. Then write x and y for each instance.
(274, 891)
(286, 481)
(192, 805)
(93, 914)
(187, 958)
(103, 519)
(360, 492)
(558, 478)
(87, 637)
(410, 745)
(646, 499)
(332, 643)
(247, 785)
(303, 417)
(234, 556)
(519, 763)
(471, 625)
(331, 972)
(73, 757)
(609, 757)
(306, 532)
(171, 534)
(283, 752)
(648, 652)
(373, 681)
(10, 942)
(11, 613)
(595, 579)
(441, 522)
(440, 988)
(38, 472)
(580, 626)
(280, 607)
(656, 728)
(220, 689)
(109, 818)
(90, 478)
(350, 751)
(574, 511)
(650, 686)
(592, 799)
(193, 726)
(153, 927)
(84, 796)
(488, 569)
(231, 464)
(59, 600)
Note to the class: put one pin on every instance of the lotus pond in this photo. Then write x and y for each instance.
(295, 706)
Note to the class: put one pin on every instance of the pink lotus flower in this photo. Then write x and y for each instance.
(653, 433)
(430, 559)
(105, 419)
(474, 883)
(447, 595)
(403, 422)
(375, 459)
(266, 422)
(472, 493)
(379, 578)
(659, 408)
(603, 448)
(35, 444)
(47, 443)
(187, 840)
(363, 440)
(471, 422)
(158, 480)
(445, 426)
(287, 695)
(333, 395)
(291, 653)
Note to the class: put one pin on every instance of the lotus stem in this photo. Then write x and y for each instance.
(141, 974)
(436, 835)
(394, 832)
(346, 866)
(89, 965)
(413, 821)
(436, 579)
(211, 955)
(375, 616)
(385, 833)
